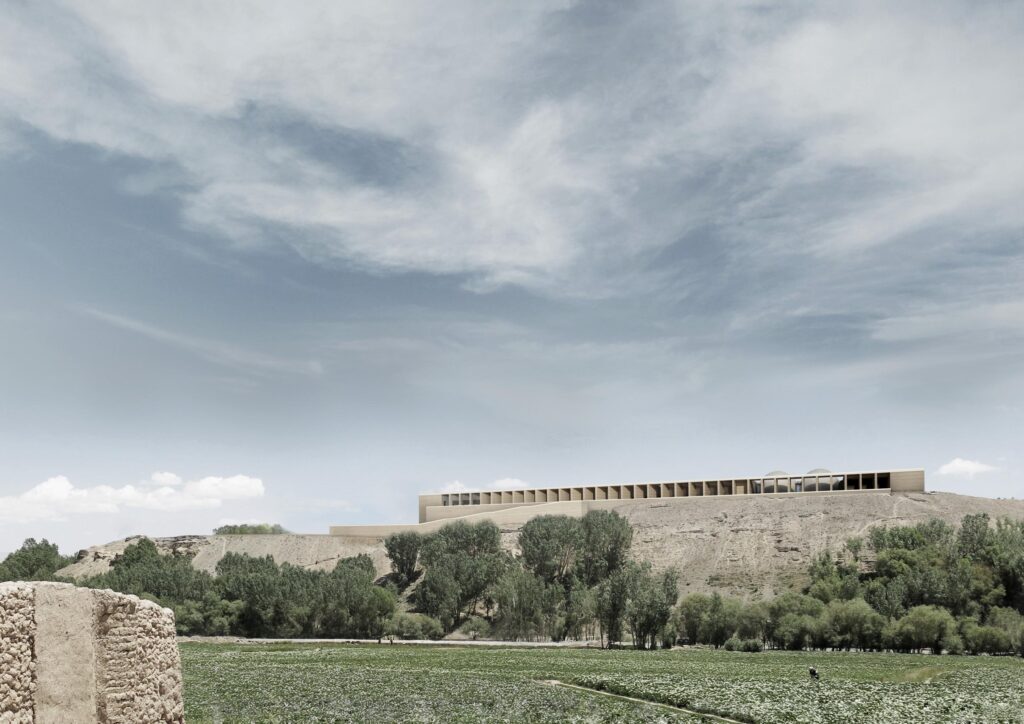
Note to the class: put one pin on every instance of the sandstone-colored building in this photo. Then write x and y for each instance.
(71, 655)
(515, 507)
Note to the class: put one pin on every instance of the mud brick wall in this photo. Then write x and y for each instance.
(138, 669)
(17, 664)
(71, 655)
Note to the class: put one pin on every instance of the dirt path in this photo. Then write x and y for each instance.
(648, 702)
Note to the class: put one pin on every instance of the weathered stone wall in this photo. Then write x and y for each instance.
(81, 655)
(17, 665)
(137, 661)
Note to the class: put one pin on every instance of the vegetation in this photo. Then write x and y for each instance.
(403, 550)
(34, 561)
(928, 587)
(255, 596)
(924, 587)
(460, 564)
(289, 682)
(551, 592)
(250, 529)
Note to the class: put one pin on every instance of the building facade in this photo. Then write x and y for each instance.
(514, 507)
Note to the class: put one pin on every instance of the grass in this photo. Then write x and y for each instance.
(341, 683)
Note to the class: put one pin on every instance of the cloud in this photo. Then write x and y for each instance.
(508, 484)
(217, 352)
(965, 468)
(167, 479)
(456, 487)
(58, 499)
(515, 153)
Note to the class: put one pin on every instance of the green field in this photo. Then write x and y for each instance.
(309, 682)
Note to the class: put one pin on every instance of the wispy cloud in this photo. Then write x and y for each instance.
(216, 352)
(818, 130)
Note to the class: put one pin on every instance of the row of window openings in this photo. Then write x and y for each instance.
(877, 481)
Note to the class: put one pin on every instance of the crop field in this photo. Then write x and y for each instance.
(382, 683)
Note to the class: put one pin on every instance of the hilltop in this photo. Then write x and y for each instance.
(742, 545)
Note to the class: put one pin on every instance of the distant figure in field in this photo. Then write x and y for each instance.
(814, 673)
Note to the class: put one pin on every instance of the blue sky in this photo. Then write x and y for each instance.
(298, 263)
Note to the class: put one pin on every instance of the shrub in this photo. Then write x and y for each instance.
(250, 529)
(733, 644)
(751, 646)
(985, 639)
(476, 627)
(414, 626)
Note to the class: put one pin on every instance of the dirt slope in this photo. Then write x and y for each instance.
(308, 551)
(764, 544)
(742, 544)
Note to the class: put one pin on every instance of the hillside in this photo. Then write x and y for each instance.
(742, 544)
(308, 551)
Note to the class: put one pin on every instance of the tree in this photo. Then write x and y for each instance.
(550, 546)
(795, 631)
(720, 620)
(984, 639)
(142, 571)
(34, 561)
(1007, 556)
(526, 605)
(612, 597)
(924, 627)
(793, 620)
(975, 537)
(439, 594)
(853, 624)
(649, 603)
(690, 613)
(1012, 622)
(403, 550)
(211, 616)
(607, 537)
(752, 621)
(461, 562)
(580, 611)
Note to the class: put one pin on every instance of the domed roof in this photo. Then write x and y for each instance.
(777, 474)
(819, 471)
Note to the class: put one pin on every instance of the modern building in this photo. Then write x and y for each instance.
(514, 507)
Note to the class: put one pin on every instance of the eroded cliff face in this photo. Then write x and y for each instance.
(763, 545)
(745, 545)
(82, 655)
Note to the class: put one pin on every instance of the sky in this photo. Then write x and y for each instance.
(299, 262)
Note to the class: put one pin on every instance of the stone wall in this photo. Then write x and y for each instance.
(17, 664)
(137, 661)
(81, 655)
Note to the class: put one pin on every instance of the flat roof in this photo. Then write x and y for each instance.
(788, 476)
